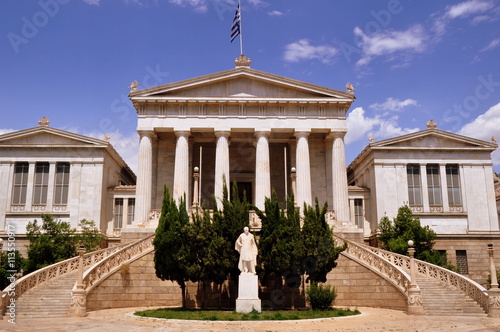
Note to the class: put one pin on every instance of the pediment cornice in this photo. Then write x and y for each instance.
(171, 90)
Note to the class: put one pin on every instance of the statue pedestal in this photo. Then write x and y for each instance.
(248, 293)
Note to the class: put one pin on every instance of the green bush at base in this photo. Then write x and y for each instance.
(321, 297)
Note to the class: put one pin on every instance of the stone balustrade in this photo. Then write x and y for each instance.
(467, 286)
(104, 268)
(43, 275)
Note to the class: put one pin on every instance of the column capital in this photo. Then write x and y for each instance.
(336, 134)
(222, 133)
(182, 133)
(146, 133)
(301, 133)
(263, 133)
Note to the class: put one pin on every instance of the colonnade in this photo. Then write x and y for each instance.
(303, 188)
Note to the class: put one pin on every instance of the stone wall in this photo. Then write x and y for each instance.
(476, 249)
(139, 287)
(357, 286)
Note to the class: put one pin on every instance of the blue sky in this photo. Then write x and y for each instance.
(410, 61)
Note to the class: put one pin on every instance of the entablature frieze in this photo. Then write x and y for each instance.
(231, 108)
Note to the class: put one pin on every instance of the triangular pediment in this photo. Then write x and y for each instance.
(46, 136)
(242, 82)
(433, 139)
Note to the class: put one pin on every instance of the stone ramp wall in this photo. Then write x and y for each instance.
(357, 286)
(139, 287)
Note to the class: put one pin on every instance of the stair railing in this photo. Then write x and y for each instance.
(465, 285)
(43, 275)
(104, 268)
(378, 264)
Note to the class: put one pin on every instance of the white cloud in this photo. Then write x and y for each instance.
(93, 2)
(275, 13)
(140, 3)
(303, 50)
(468, 8)
(385, 43)
(127, 146)
(493, 44)
(201, 6)
(360, 126)
(480, 10)
(484, 127)
(392, 104)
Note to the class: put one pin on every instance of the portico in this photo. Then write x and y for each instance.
(243, 126)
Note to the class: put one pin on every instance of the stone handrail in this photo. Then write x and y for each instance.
(111, 263)
(378, 264)
(465, 285)
(38, 277)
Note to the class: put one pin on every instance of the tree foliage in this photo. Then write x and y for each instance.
(395, 235)
(169, 240)
(90, 237)
(320, 250)
(281, 248)
(12, 263)
(53, 241)
(50, 242)
(228, 225)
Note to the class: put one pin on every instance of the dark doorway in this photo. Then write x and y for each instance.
(244, 188)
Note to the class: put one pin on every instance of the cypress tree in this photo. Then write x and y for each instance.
(168, 241)
(320, 250)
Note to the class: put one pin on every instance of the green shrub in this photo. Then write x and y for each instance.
(321, 297)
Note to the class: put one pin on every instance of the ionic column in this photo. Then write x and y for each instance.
(181, 166)
(221, 165)
(144, 178)
(339, 178)
(303, 167)
(262, 169)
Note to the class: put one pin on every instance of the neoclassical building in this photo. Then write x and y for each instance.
(262, 131)
(52, 171)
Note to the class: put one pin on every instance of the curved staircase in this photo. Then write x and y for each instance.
(53, 299)
(440, 299)
(50, 292)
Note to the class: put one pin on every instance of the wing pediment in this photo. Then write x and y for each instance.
(433, 139)
(46, 136)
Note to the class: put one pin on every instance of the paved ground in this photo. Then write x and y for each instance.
(370, 320)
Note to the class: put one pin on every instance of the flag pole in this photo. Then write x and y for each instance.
(241, 29)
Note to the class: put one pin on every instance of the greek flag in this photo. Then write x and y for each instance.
(235, 29)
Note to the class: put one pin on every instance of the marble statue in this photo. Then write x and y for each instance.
(246, 246)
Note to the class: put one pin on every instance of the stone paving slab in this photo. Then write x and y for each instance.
(371, 319)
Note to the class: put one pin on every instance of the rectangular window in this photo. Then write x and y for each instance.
(453, 184)
(130, 211)
(41, 185)
(118, 213)
(463, 267)
(20, 184)
(358, 212)
(61, 184)
(414, 185)
(434, 185)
